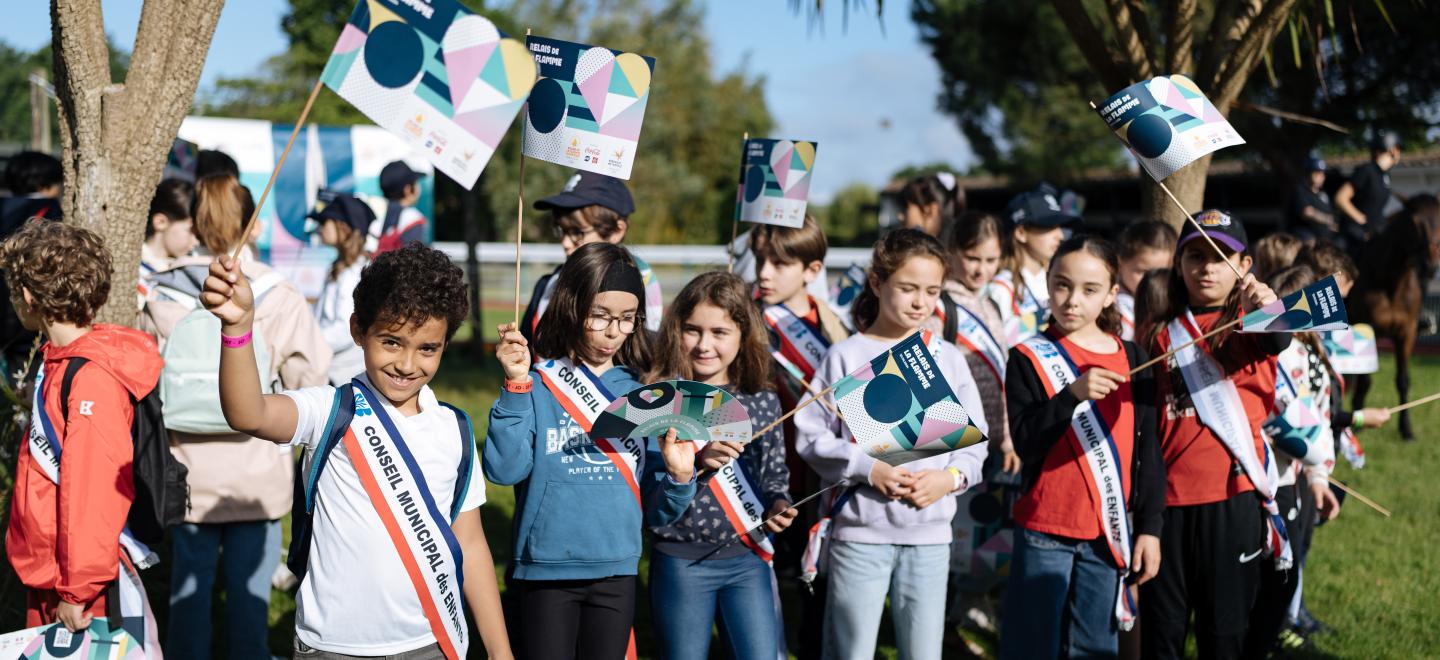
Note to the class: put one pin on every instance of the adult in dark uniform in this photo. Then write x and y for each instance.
(1362, 199)
(1310, 215)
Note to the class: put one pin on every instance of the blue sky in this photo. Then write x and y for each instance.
(839, 87)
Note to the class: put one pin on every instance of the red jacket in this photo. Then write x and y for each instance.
(66, 540)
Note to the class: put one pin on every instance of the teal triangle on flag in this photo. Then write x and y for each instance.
(494, 73)
(620, 85)
(796, 164)
(338, 67)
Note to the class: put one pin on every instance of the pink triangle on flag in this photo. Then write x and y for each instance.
(801, 190)
(488, 124)
(780, 162)
(350, 38)
(463, 66)
(594, 89)
(626, 125)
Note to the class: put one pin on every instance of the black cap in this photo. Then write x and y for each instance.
(1384, 141)
(589, 188)
(1315, 164)
(1220, 226)
(1041, 207)
(342, 208)
(395, 176)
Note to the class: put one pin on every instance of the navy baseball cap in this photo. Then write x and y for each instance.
(341, 208)
(589, 188)
(1315, 164)
(395, 176)
(1384, 141)
(1220, 226)
(1040, 207)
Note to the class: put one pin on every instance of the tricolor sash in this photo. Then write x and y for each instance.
(1126, 304)
(545, 297)
(1090, 435)
(971, 334)
(133, 608)
(582, 395)
(1020, 307)
(421, 534)
(1218, 404)
(798, 346)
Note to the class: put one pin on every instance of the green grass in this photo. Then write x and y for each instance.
(1371, 579)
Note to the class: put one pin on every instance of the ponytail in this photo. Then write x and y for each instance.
(890, 255)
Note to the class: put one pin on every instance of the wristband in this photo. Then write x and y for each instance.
(959, 479)
(236, 342)
(517, 387)
(1359, 421)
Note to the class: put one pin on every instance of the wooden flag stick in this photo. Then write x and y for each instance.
(1368, 502)
(811, 388)
(796, 505)
(792, 412)
(1412, 404)
(1238, 275)
(735, 219)
(520, 205)
(1163, 356)
(294, 133)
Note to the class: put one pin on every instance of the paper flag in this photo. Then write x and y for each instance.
(1353, 351)
(1316, 307)
(775, 181)
(53, 641)
(1294, 439)
(845, 291)
(900, 408)
(695, 410)
(1167, 123)
(587, 107)
(442, 78)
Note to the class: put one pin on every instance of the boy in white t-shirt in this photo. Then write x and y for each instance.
(390, 551)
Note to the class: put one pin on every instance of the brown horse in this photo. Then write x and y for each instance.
(1393, 272)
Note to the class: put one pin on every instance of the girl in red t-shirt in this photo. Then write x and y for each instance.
(1094, 485)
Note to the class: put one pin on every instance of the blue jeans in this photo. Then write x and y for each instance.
(861, 575)
(251, 551)
(1062, 592)
(685, 594)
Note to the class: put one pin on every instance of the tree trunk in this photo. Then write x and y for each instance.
(115, 137)
(1188, 185)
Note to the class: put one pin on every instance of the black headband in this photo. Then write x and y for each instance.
(623, 276)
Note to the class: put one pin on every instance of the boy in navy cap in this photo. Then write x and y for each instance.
(1037, 220)
(592, 208)
(402, 222)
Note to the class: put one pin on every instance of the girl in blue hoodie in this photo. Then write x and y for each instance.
(580, 500)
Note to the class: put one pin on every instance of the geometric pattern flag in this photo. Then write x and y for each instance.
(588, 106)
(775, 181)
(1353, 351)
(901, 409)
(1167, 123)
(1316, 307)
(695, 410)
(97, 642)
(440, 77)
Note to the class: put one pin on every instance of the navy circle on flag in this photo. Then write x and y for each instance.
(1150, 135)
(393, 54)
(547, 105)
(754, 183)
(887, 398)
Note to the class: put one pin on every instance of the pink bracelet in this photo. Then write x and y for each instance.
(236, 342)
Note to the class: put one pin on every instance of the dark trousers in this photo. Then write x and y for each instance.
(1277, 588)
(1211, 567)
(580, 619)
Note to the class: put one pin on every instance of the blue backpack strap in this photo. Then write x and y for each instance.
(342, 410)
(467, 459)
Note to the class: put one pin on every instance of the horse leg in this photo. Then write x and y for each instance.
(1403, 350)
(1362, 389)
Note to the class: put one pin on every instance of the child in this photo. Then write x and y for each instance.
(1038, 223)
(1274, 253)
(33, 179)
(931, 203)
(713, 334)
(1085, 431)
(403, 223)
(577, 542)
(592, 208)
(1216, 395)
(168, 235)
(240, 486)
(74, 484)
(895, 528)
(371, 544)
(1144, 246)
(787, 261)
(1152, 298)
(343, 220)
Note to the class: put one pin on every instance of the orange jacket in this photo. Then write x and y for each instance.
(67, 539)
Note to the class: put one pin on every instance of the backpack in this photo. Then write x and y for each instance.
(190, 381)
(162, 495)
(312, 462)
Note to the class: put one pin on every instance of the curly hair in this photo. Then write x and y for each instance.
(750, 370)
(65, 268)
(410, 286)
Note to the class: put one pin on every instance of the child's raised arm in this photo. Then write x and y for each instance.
(270, 417)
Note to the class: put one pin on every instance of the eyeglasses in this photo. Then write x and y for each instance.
(600, 322)
(574, 233)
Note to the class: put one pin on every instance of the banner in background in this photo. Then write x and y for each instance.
(586, 110)
(342, 158)
(443, 79)
(1167, 123)
(775, 181)
(1353, 351)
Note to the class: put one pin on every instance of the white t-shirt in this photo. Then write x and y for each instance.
(357, 598)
